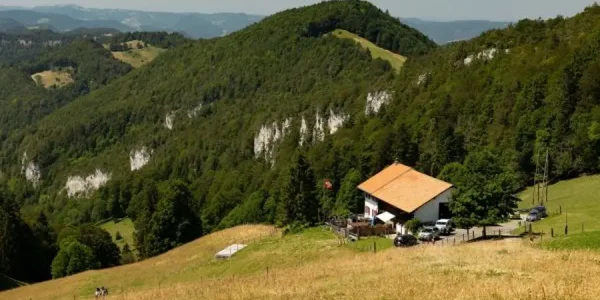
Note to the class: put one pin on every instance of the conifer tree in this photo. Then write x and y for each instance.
(301, 204)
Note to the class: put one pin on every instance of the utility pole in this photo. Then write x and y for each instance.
(535, 182)
(547, 174)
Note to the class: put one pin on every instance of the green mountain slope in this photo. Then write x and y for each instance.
(227, 114)
(89, 65)
(522, 91)
(280, 69)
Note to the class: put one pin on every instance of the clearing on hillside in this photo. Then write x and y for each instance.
(578, 199)
(124, 227)
(396, 60)
(53, 78)
(139, 53)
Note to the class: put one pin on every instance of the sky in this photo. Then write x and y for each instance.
(500, 10)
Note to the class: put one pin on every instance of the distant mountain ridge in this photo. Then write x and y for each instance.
(198, 25)
(443, 32)
(69, 17)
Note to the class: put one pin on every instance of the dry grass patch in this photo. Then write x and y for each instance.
(138, 57)
(53, 78)
(396, 60)
(311, 265)
(186, 263)
(496, 270)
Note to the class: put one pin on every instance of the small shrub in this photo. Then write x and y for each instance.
(413, 226)
(127, 256)
(295, 227)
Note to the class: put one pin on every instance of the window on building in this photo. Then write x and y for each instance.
(367, 211)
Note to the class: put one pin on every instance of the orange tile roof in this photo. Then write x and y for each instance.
(404, 187)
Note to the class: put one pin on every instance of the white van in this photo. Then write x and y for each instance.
(445, 226)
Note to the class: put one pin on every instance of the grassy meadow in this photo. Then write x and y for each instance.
(396, 60)
(138, 57)
(586, 240)
(312, 265)
(580, 203)
(53, 78)
(124, 227)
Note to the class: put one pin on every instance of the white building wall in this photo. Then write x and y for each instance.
(400, 229)
(372, 205)
(430, 212)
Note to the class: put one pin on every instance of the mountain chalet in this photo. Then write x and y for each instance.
(400, 193)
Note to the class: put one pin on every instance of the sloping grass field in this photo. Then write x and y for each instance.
(53, 78)
(396, 60)
(138, 57)
(124, 227)
(312, 265)
(579, 200)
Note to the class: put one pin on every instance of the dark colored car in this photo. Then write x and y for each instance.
(405, 240)
(541, 211)
(533, 216)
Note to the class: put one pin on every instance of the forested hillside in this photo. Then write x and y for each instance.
(201, 129)
(23, 102)
(521, 92)
(29, 246)
(246, 128)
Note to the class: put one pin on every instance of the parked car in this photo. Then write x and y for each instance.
(405, 240)
(541, 211)
(533, 216)
(445, 226)
(429, 233)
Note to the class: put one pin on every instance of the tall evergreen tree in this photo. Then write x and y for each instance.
(44, 248)
(11, 229)
(173, 223)
(349, 198)
(301, 204)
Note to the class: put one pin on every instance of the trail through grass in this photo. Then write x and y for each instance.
(396, 60)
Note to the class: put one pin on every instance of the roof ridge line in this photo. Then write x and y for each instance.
(382, 186)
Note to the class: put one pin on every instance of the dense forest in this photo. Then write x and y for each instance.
(246, 128)
(24, 104)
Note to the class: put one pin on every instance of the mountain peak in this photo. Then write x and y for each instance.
(359, 17)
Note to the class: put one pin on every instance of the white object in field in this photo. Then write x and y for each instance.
(230, 251)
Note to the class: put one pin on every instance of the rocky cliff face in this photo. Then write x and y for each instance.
(139, 158)
(78, 186)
